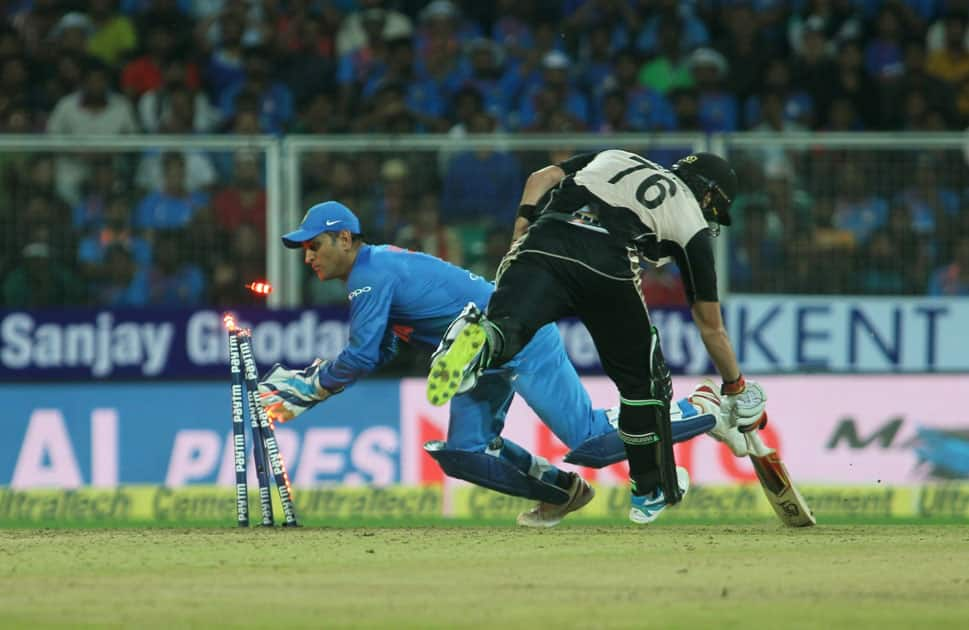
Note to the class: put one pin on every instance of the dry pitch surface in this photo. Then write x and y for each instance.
(674, 576)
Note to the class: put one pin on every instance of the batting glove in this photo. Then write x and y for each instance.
(286, 393)
(707, 400)
(742, 404)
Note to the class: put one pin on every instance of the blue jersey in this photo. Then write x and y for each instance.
(398, 294)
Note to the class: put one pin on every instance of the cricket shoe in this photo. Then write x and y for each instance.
(455, 365)
(551, 514)
(646, 508)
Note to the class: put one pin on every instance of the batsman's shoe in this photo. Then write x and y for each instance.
(551, 514)
(646, 508)
(285, 393)
(455, 363)
(706, 398)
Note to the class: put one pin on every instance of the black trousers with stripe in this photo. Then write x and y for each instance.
(558, 270)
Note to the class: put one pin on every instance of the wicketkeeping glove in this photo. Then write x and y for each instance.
(286, 393)
(742, 404)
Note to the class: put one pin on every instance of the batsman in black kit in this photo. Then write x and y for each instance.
(579, 252)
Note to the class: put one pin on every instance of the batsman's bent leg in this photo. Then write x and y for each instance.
(528, 296)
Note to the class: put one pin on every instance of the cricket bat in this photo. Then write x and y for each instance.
(787, 502)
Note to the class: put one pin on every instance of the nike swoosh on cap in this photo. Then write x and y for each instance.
(333, 222)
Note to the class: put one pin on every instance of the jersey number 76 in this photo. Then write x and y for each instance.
(662, 184)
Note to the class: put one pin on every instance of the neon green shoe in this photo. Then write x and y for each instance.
(454, 366)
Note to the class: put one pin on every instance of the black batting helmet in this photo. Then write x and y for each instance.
(709, 173)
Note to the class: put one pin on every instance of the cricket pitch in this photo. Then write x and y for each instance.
(578, 576)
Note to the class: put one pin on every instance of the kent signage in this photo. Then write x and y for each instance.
(771, 334)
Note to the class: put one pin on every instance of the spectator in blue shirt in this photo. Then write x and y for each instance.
(116, 229)
(424, 98)
(880, 272)
(612, 116)
(225, 67)
(397, 68)
(95, 191)
(363, 63)
(718, 107)
(442, 19)
(438, 66)
(484, 76)
(465, 105)
(686, 109)
(173, 206)
(883, 54)
(174, 281)
(797, 105)
(952, 278)
(275, 99)
(469, 197)
(595, 64)
(620, 19)
(123, 281)
(757, 254)
(931, 204)
(556, 87)
(523, 72)
(512, 31)
(855, 208)
(693, 33)
(742, 42)
(389, 112)
(851, 81)
(646, 109)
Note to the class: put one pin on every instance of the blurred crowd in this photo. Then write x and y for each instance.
(188, 226)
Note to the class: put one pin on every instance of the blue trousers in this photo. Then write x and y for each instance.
(543, 376)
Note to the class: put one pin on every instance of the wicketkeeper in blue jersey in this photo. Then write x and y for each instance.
(398, 295)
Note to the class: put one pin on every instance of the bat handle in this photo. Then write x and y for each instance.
(756, 445)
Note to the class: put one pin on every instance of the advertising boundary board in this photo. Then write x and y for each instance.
(853, 430)
(212, 506)
(866, 431)
(772, 334)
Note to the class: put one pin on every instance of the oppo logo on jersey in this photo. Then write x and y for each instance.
(359, 291)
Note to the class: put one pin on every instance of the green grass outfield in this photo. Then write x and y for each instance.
(465, 574)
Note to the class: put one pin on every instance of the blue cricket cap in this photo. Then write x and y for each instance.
(329, 216)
